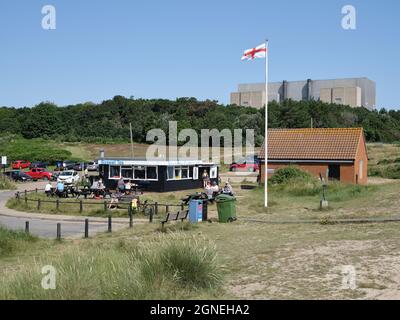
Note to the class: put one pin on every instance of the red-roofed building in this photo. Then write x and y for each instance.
(336, 154)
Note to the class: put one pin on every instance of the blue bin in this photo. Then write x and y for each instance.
(195, 211)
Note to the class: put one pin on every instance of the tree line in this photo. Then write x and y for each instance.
(109, 120)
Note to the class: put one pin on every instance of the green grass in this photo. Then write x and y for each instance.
(13, 241)
(6, 184)
(171, 266)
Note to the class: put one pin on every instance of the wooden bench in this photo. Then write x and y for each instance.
(180, 215)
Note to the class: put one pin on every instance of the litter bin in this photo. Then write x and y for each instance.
(226, 206)
(195, 211)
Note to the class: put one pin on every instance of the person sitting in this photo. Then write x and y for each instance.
(121, 185)
(128, 187)
(60, 189)
(228, 189)
(209, 191)
(215, 189)
(48, 189)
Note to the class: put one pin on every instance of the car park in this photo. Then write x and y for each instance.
(69, 177)
(39, 173)
(18, 176)
(20, 164)
(80, 166)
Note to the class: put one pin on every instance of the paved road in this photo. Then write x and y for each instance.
(46, 225)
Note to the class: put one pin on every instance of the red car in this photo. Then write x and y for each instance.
(20, 164)
(39, 173)
(244, 166)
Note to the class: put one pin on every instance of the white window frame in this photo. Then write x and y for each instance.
(114, 177)
(361, 170)
(133, 173)
(180, 173)
(213, 172)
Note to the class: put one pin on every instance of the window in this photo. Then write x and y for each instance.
(140, 173)
(213, 172)
(152, 173)
(361, 169)
(185, 173)
(127, 172)
(177, 173)
(115, 171)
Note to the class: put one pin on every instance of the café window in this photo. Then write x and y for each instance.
(177, 173)
(127, 172)
(151, 173)
(115, 172)
(140, 173)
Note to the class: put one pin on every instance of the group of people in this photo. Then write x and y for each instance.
(124, 187)
(212, 189)
(59, 189)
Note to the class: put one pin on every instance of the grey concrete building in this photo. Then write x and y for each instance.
(355, 92)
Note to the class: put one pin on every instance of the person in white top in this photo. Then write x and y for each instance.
(48, 188)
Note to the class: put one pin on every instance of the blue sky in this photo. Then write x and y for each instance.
(182, 48)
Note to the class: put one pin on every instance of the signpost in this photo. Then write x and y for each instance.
(4, 163)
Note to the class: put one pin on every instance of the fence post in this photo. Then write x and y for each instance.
(80, 206)
(26, 193)
(109, 224)
(58, 231)
(166, 208)
(18, 195)
(57, 204)
(86, 228)
(26, 201)
(27, 226)
(35, 190)
(105, 205)
(38, 204)
(151, 215)
(156, 208)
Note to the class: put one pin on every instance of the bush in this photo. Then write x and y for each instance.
(288, 174)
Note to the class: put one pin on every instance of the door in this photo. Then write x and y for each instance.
(334, 172)
(195, 173)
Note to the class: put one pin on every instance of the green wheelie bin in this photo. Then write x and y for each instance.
(226, 206)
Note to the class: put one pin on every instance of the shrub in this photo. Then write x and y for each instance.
(288, 174)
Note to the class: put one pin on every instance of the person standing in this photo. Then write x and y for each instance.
(206, 179)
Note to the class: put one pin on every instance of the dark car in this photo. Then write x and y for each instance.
(80, 166)
(68, 165)
(38, 164)
(18, 175)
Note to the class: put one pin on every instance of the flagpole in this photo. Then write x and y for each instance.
(266, 126)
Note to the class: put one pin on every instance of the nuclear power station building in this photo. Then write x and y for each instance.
(355, 92)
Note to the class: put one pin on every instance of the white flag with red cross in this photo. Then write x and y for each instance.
(259, 52)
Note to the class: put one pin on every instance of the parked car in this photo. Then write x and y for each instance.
(20, 164)
(39, 173)
(38, 164)
(18, 175)
(80, 166)
(93, 166)
(246, 164)
(69, 177)
(68, 165)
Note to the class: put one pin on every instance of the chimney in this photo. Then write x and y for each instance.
(309, 88)
(285, 89)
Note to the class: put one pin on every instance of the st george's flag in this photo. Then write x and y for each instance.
(259, 52)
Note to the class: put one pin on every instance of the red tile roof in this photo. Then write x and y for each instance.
(312, 144)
